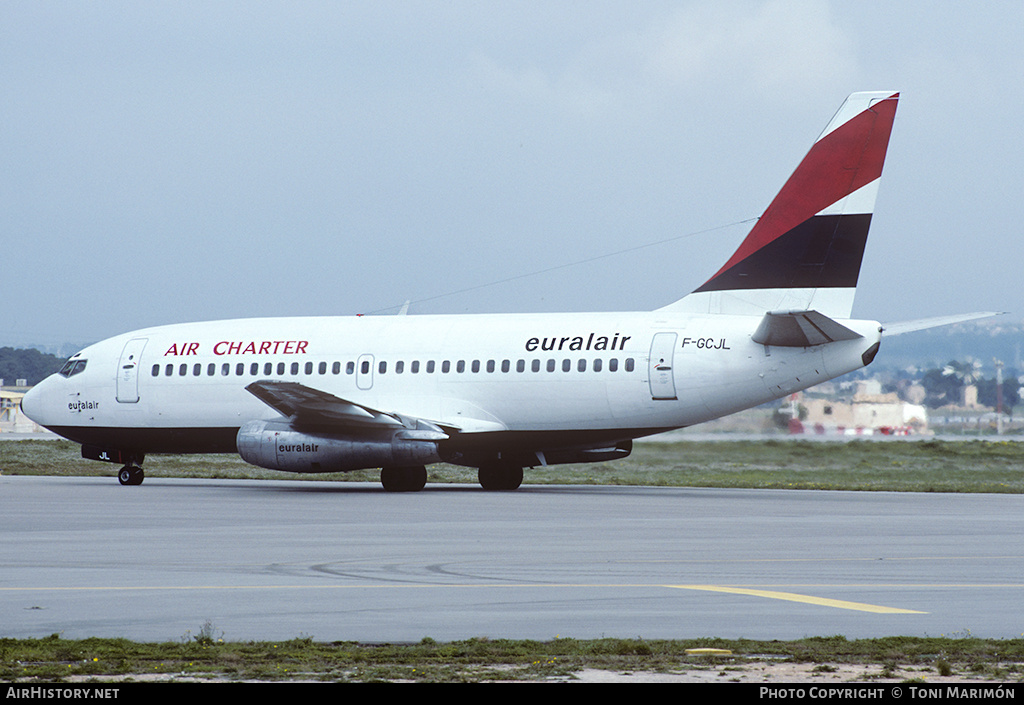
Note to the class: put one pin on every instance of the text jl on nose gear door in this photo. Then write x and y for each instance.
(660, 374)
(128, 371)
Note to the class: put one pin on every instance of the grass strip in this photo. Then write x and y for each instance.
(203, 656)
(898, 466)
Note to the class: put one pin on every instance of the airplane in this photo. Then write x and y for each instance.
(503, 392)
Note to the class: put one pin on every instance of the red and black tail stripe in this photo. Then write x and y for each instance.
(801, 241)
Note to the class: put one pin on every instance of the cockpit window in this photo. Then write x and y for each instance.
(72, 368)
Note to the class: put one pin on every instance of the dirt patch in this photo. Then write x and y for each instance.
(767, 672)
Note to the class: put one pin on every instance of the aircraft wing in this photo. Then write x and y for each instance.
(308, 406)
(926, 323)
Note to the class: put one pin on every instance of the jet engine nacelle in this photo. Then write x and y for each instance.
(277, 446)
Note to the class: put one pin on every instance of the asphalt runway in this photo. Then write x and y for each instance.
(258, 560)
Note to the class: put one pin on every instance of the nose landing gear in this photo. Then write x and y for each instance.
(130, 474)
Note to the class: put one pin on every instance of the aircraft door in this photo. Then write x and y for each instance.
(364, 371)
(660, 373)
(128, 371)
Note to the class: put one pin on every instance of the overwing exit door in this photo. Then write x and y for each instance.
(364, 371)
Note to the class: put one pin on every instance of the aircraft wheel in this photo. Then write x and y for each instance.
(130, 475)
(500, 477)
(410, 479)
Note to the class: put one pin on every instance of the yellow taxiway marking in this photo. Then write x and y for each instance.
(770, 594)
(795, 597)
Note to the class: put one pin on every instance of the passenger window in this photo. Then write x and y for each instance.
(156, 370)
(382, 367)
(535, 366)
(211, 369)
(581, 366)
(254, 369)
(182, 370)
(505, 365)
(597, 365)
(225, 369)
(445, 367)
(350, 368)
(268, 369)
(430, 367)
(295, 368)
(240, 369)
(280, 369)
(520, 365)
(322, 368)
(476, 366)
(613, 364)
(169, 370)
(197, 370)
(399, 367)
(414, 366)
(551, 365)
(566, 365)
(629, 364)
(309, 368)
(336, 368)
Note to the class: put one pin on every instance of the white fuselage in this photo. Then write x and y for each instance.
(605, 376)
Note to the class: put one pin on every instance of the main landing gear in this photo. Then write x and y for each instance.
(493, 477)
(130, 474)
(500, 476)
(404, 479)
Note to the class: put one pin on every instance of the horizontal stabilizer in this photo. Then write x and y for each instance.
(800, 329)
(925, 323)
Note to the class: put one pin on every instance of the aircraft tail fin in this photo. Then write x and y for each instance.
(804, 253)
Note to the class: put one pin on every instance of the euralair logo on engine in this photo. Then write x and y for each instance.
(298, 448)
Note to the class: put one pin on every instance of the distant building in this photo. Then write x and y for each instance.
(868, 411)
(969, 397)
(12, 420)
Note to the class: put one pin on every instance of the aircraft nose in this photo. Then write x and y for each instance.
(32, 404)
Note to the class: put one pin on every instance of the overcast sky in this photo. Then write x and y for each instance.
(172, 161)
